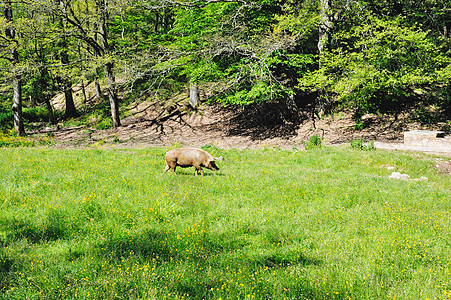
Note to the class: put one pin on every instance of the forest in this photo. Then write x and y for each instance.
(372, 57)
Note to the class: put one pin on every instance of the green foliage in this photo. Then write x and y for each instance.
(97, 116)
(105, 224)
(104, 124)
(35, 114)
(7, 140)
(425, 116)
(239, 61)
(315, 141)
(359, 126)
(29, 114)
(12, 141)
(377, 54)
(375, 73)
(6, 118)
(360, 145)
(257, 93)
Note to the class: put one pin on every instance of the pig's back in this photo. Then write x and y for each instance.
(186, 156)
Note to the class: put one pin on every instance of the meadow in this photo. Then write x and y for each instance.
(326, 223)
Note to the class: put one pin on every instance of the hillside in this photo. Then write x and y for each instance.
(147, 124)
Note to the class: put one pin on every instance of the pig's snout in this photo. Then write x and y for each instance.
(213, 166)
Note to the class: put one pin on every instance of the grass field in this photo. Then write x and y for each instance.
(326, 223)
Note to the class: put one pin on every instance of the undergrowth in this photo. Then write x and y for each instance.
(361, 145)
(10, 140)
(315, 141)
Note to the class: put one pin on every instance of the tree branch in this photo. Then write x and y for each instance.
(200, 3)
(68, 64)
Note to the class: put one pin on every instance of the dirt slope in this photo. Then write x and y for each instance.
(228, 128)
(150, 124)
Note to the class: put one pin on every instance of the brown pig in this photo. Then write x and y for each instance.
(190, 157)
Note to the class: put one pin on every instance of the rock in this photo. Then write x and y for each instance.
(425, 138)
(397, 175)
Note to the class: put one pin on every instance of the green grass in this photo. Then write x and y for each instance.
(271, 224)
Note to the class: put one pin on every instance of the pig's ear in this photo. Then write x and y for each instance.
(218, 158)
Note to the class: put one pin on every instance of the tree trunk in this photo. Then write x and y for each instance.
(71, 111)
(291, 108)
(112, 96)
(193, 95)
(17, 105)
(10, 34)
(49, 107)
(83, 90)
(324, 25)
(157, 20)
(8, 14)
(32, 101)
(44, 84)
(322, 102)
(447, 31)
(114, 102)
(98, 90)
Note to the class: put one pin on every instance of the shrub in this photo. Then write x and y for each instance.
(35, 114)
(29, 115)
(360, 145)
(6, 118)
(315, 141)
(17, 141)
(104, 124)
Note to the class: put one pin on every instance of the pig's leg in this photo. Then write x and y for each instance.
(198, 169)
(166, 169)
(173, 170)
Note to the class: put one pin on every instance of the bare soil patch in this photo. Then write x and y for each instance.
(443, 166)
(233, 127)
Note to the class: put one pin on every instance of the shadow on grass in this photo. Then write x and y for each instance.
(8, 265)
(149, 244)
(155, 243)
(206, 260)
(53, 226)
(205, 174)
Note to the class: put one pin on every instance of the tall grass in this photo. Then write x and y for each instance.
(321, 224)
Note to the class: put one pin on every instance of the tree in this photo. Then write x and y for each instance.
(324, 27)
(373, 56)
(90, 20)
(71, 110)
(40, 81)
(239, 52)
(379, 65)
(10, 45)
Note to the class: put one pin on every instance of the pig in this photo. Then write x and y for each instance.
(190, 157)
